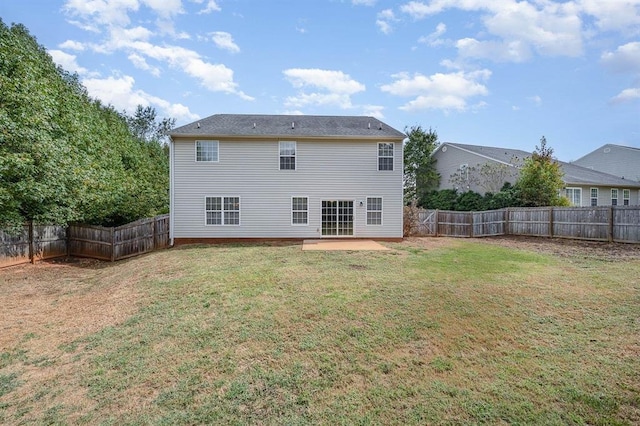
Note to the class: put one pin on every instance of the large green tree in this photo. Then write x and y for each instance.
(541, 179)
(64, 156)
(420, 175)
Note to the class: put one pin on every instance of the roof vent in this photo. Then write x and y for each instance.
(369, 125)
(198, 125)
(254, 125)
(293, 124)
(379, 126)
(607, 150)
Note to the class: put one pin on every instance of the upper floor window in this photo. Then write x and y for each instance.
(207, 151)
(287, 155)
(574, 195)
(614, 197)
(594, 197)
(385, 156)
(626, 197)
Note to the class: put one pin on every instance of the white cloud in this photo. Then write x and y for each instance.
(500, 51)
(328, 87)
(627, 95)
(72, 45)
(614, 15)
(373, 111)
(212, 6)
(626, 58)
(434, 39)
(67, 61)
(384, 21)
(363, 2)
(165, 8)
(439, 91)
(546, 27)
(537, 100)
(102, 12)
(419, 10)
(224, 41)
(120, 93)
(140, 63)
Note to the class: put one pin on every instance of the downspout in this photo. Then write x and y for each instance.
(171, 189)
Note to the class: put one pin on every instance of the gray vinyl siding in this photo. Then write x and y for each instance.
(325, 170)
(615, 160)
(448, 163)
(604, 195)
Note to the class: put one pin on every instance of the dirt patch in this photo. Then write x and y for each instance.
(570, 248)
(45, 308)
(557, 246)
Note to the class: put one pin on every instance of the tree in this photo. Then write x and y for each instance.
(144, 125)
(540, 180)
(65, 157)
(489, 176)
(420, 175)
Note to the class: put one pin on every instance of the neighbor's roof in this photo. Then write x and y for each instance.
(573, 174)
(256, 125)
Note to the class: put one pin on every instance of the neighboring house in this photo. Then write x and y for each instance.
(286, 177)
(617, 160)
(584, 187)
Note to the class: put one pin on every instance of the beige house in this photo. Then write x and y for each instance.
(584, 186)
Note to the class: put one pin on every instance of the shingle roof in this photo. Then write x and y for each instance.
(288, 126)
(573, 174)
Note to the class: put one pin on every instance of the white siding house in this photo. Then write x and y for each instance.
(286, 177)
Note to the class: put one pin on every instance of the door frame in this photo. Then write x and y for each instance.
(353, 218)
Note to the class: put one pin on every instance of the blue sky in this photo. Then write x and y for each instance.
(485, 72)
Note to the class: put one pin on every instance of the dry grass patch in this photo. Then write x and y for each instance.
(433, 331)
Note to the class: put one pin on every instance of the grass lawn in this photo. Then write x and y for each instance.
(434, 331)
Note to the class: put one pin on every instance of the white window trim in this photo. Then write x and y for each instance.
(292, 211)
(223, 210)
(591, 196)
(195, 151)
(295, 156)
(617, 197)
(573, 188)
(366, 208)
(393, 157)
(627, 198)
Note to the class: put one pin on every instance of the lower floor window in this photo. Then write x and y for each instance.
(614, 197)
(574, 195)
(374, 211)
(222, 210)
(299, 210)
(626, 197)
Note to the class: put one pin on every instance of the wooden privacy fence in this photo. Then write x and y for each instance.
(38, 242)
(607, 223)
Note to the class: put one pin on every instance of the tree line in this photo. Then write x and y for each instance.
(65, 157)
(538, 179)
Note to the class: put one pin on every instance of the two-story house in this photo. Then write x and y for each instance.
(236, 176)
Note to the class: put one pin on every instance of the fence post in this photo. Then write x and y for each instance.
(435, 222)
(32, 256)
(472, 224)
(610, 230)
(551, 222)
(113, 244)
(506, 221)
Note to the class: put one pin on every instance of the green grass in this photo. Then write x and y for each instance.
(464, 333)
